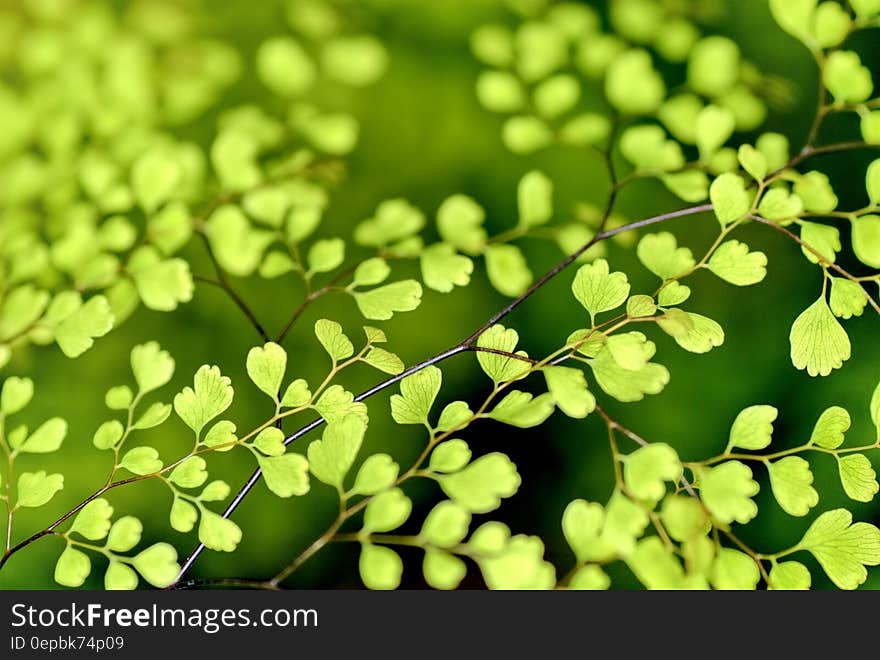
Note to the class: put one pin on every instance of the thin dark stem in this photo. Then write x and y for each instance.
(224, 284)
(810, 152)
(468, 344)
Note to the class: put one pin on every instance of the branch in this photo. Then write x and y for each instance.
(468, 344)
(833, 266)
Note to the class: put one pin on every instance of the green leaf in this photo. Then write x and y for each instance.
(791, 481)
(371, 272)
(501, 368)
(380, 304)
(218, 533)
(872, 182)
(331, 457)
(846, 78)
(830, 428)
(460, 222)
(395, 219)
(336, 403)
(843, 548)
(752, 428)
(660, 254)
(734, 263)
(384, 361)
(858, 477)
(519, 566)
(500, 91)
(76, 333)
(790, 576)
(215, 491)
(93, 520)
(683, 517)
(183, 515)
(507, 269)
(866, 239)
(590, 578)
(357, 60)
(119, 398)
(191, 473)
(152, 367)
(155, 415)
(171, 228)
(598, 289)
(819, 343)
(222, 433)
(870, 126)
(154, 176)
(270, 441)
(284, 66)
(237, 245)
(417, 394)
(753, 162)
(584, 130)
(693, 332)
(778, 204)
(381, 568)
(376, 474)
(21, 308)
(865, 8)
(816, 192)
(120, 577)
(875, 409)
(141, 460)
(627, 385)
(715, 126)
(733, 569)
(72, 568)
(47, 438)
(557, 95)
(334, 341)
(15, 395)
(673, 293)
(646, 470)
(446, 525)
(387, 511)
(158, 565)
(450, 456)
(162, 285)
(582, 523)
(713, 66)
(125, 534)
(655, 566)
(730, 197)
(691, 186)
(326, 255)
(535, 199)
(108, 435)
(795, 17)
(37, 488)
(648, 148)
(266, 366)
(522, 410)
(211, 395)
(285, 475)
(632, 86)
(569, 390)
(824, 239)
(490, 538)
(727, 492)
(443, 570)
(480, 486)
(847, 298)
(833, 24)
(297, 394)
(443, 269)
(639, 306)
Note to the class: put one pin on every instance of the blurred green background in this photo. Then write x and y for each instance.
(424, 137)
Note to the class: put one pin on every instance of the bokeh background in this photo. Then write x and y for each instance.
(424, 137)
